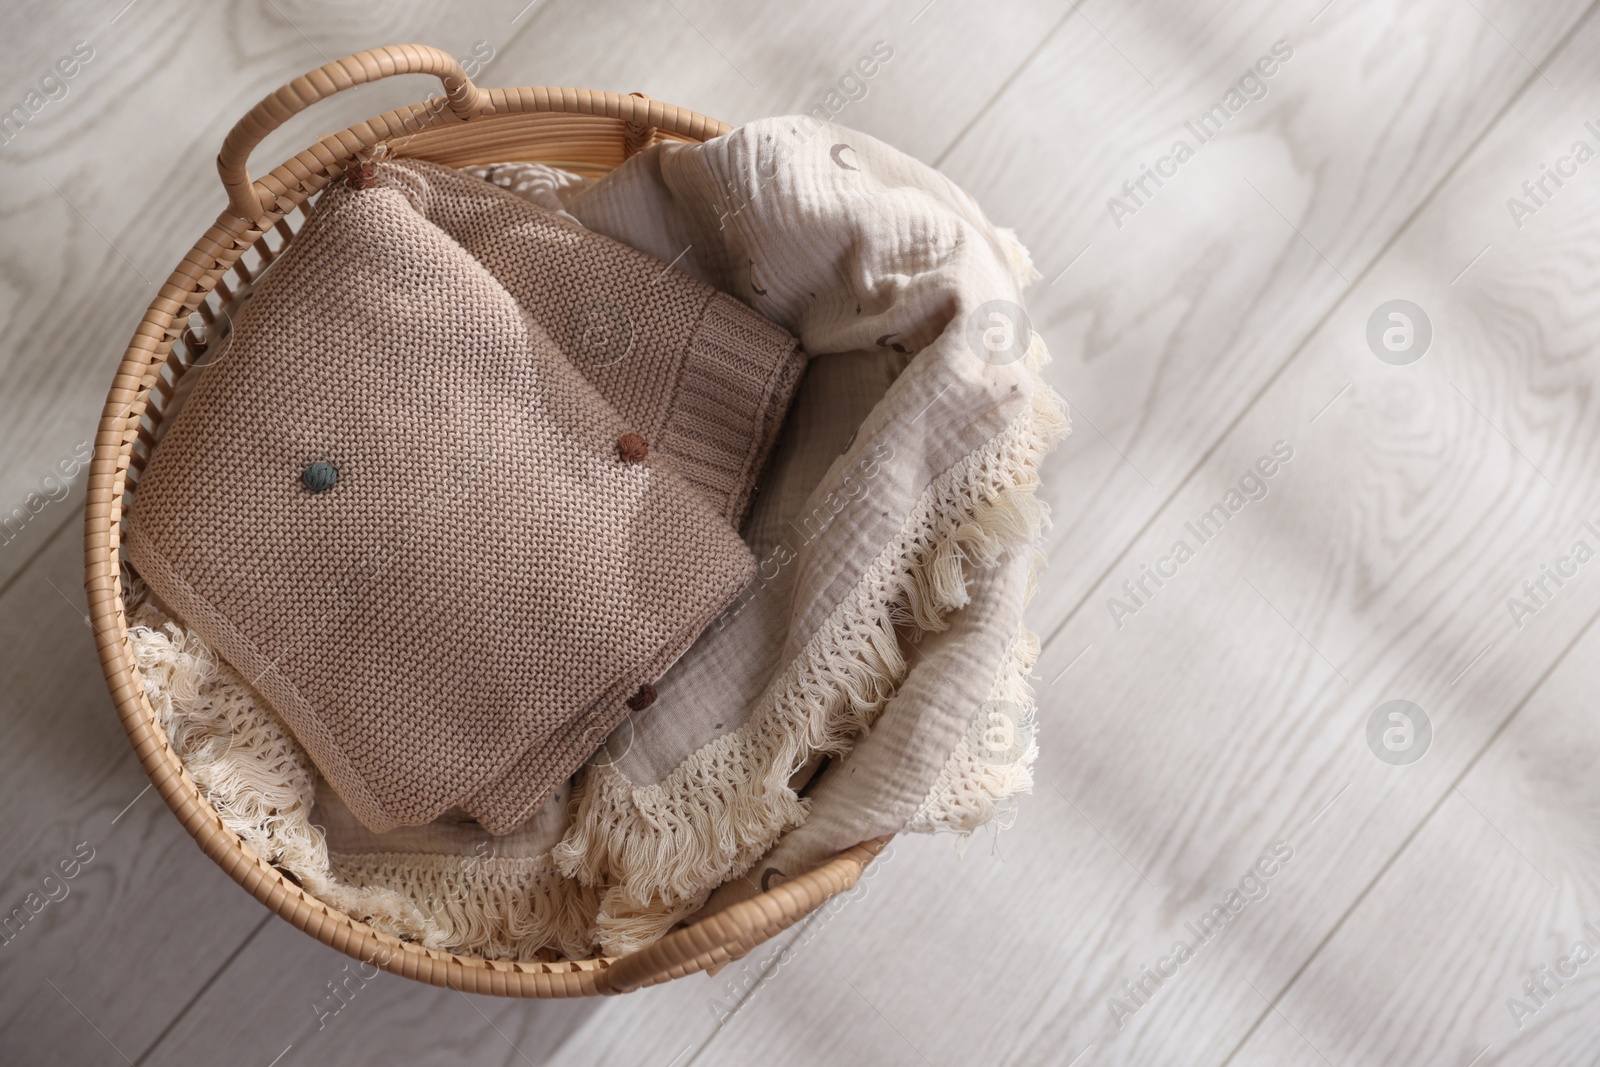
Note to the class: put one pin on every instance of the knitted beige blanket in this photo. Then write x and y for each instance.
(897, 536)
(448, 543)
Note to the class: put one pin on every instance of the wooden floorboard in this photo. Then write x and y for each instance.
(1166, 328)
(1223, 712)
(101, 960)
(1497, 889)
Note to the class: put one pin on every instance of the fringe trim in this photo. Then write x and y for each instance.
(661, 848)
(623, 928)
(1018, 259)
(262, 784)
(491, 906)
(975, 788)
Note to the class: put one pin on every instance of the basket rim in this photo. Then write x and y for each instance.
(509, 117)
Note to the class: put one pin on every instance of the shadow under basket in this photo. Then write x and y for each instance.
(579, 130)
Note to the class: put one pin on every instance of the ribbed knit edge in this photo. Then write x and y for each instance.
(737, 377)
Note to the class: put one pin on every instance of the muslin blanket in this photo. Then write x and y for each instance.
(897, 535)
(885, 626)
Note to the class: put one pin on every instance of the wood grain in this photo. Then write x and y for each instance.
(1228, 712)
(1168, 327)
(1498, 885)
(146, 903)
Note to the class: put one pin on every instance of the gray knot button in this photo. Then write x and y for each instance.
(319, 477)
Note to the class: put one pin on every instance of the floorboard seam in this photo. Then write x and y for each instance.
(1422, 823)
(1316, 327)
(204, 987)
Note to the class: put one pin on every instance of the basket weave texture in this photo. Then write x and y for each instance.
(580, 130)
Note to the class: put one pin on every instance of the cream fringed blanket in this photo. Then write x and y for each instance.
(448, 893)
(897, 533)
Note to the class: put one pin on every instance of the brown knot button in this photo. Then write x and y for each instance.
(643, 698)
(632, 448)
(363, 175)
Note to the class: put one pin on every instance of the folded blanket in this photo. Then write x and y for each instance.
(448, 885)
(920, 518)
(404, 511)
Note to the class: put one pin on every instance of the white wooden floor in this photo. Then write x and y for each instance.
(1427, 913)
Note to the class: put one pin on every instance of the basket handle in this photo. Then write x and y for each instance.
(244, 200)
(734, 931)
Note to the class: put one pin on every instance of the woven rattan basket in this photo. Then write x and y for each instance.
(582, 131)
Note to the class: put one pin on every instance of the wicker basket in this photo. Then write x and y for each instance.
(582, 131)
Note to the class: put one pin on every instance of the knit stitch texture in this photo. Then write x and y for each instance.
(487, 582)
